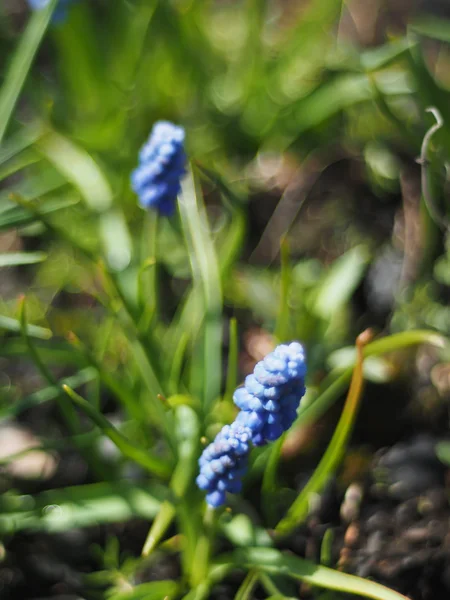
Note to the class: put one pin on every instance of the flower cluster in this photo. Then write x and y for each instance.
(60, 12)
(224, 462)
(271, 394)
(268, 401)
(162, 163)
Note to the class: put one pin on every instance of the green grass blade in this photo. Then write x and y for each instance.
(79, 168)
(247, 586)
(340, 281)
(18, 216)
(82, 506)
(335, 384)
(282, 332)
(206, 276)
(152, 590)
(12, 259)
(10, 324)
(142, 457)
(48, 393)
(274, 562)
(21, 63)
(187, 431)
(334, 453)
(124, 395)
(233, 356)
(19, 141)
(68, 413)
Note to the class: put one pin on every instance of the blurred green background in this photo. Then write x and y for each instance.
(305, 122)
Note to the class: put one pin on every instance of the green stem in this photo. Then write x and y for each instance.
(335, 450)
(143, 457)
(21, 63)
(232, 369)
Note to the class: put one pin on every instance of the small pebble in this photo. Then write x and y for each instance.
(433, 501)
(406, 513)
(380, 520)
(375, 542)
(416, 535)
(352, 501)
(351, 536)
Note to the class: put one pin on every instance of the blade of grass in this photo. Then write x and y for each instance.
(79, 168)
(21, 63)
(19, 141)
(206, 276)
(68, 413)
(282, 325)
(232, 367)
(269, 483)
(274, 562)
(10, 259)
(10, 324)
(247, 586)
(48, 393)
(146, 459)
(83, 506)
(17, 216)
(125, 396)
(335, 383)
(271, 588)
(141, 351)
(336, 448)
(177, 364)
(147, 276)
(187, 430)
(152, 590)
(190, 314)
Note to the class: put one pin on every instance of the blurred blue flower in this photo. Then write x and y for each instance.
(268, 401)
(162, 163)
(60, 12)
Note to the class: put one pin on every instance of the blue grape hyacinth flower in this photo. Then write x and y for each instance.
(60, 12)
(271, 394)
(224, 462)
(268, 404)
(162, 164)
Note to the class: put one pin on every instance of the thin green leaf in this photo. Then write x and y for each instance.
(433, 27)
(247, 586)
(206, 276)
(282, 331)
(152, 590)
(340, 281)
(12, 259)
(144, 458)
(19, 141)
(275, 562)
(68, 413)
(383, 56)
(81, 506)
(22, 61)
(125, 396)
(18, 216)
(335, 451)
(116, 239)
(187, 433)
(233, 355)
(9, 324)
(242, 532)
(334, 384)
(49, 393)
(79, 168)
